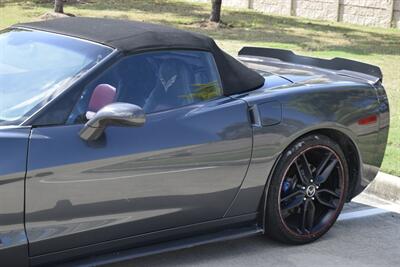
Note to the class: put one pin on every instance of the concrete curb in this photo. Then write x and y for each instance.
(385, 186)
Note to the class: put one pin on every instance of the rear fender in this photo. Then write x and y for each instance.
(307, 108)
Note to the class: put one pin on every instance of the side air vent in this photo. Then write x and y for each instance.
(265, 114)
(255, 116)
(270, 113)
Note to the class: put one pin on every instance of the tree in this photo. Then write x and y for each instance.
(59, 6)
(216, 11)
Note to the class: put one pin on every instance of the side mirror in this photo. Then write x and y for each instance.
(115, 114)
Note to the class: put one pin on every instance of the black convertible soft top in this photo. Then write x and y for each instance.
(134, 37)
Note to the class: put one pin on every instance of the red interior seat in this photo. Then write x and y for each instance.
(102, 95)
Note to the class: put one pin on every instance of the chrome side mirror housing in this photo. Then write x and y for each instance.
(115, 114)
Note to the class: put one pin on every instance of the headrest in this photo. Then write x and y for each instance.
(102, 95)
(170, 72)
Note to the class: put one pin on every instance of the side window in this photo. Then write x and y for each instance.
(155, 81)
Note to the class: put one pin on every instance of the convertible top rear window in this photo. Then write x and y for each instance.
(37, 66)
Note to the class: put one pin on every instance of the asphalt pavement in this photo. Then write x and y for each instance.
(366, 234)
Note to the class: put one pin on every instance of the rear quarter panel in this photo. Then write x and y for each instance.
(320, 103)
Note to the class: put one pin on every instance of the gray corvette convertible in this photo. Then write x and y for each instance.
(122, 139)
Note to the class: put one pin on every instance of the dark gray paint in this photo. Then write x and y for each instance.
(182, 167)
(14, 145)
(200, 163)
(145, 243)
(318, 100)
(270, 113)
(339, 65)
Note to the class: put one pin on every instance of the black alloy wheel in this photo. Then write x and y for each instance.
(307, 191)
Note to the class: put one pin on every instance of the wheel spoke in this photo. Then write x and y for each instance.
(330, 192)
(323, 164)
(325, 203)
(308, 214)
(326, 171)
(303, 169)
(297, 193)
(294, 203)
(306, 166)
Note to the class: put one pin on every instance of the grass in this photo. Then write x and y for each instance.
(309, 37)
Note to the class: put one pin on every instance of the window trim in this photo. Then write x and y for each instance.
(126, 56)
(30, 121)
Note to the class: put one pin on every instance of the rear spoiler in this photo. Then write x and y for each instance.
(339, 64)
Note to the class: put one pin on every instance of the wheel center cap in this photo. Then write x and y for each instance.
(310, 191)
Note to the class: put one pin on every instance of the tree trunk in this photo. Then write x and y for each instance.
(216, 11)
(59, 6)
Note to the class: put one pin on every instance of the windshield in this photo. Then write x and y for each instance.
(37, 66)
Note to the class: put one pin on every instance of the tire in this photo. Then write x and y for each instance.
(303, 203)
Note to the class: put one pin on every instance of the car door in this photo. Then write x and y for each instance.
(13, 242)
(183, 166)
